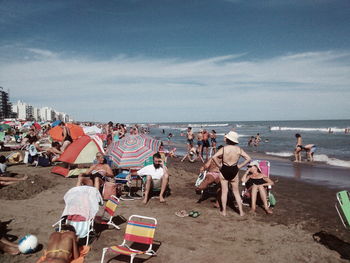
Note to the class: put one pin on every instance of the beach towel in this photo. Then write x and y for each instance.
(83, 251)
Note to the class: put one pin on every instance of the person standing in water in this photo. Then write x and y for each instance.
(298, 148)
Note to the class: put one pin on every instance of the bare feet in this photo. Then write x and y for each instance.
(24, 177)
(242, 213)
(223, 213)
(252, 211)
(161, 199)
(268, 211)
(144, 201)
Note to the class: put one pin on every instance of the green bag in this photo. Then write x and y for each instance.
(272, 199)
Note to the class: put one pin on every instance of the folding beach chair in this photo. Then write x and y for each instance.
(246, 192)
(82, 205)
(137, 232)
(343, 207)
(126, 177)
(155, 191)
(109, 208)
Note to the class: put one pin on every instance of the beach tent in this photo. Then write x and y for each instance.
(75, 130)
(81, 151)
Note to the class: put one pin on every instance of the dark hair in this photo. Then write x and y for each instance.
(157, 155)
(220, 146)
(297, 135)
(2, 159)
(213, 131)
(68, 227)
(229, 142)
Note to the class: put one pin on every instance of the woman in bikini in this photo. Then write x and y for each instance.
(227, 159)
(97, 174)
(62, 246)
(257, 181)
(298, 148)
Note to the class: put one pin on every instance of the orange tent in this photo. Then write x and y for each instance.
(75, 130)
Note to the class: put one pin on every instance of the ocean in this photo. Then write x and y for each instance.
(278, 137)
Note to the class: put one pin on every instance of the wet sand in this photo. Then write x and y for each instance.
(304, 211)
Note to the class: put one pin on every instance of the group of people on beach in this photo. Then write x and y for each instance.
(206, 143)
(224, 168)
(308, 148)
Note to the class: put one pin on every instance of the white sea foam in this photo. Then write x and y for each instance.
(331, 161)
(332, 129)
(281, 154)
(317, 157)
(208, 125)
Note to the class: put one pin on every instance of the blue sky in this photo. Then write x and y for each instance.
(163, 61)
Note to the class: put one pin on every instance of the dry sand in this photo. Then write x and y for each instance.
(303, 211)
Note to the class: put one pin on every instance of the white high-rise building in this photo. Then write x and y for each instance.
(24, 111)
(47, 114)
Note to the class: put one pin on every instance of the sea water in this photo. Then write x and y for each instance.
(278, 137)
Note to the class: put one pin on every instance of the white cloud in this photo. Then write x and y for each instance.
(147, 89)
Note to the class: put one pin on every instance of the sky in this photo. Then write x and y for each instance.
(178, 60)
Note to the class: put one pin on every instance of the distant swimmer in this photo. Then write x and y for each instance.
(298, 148)
(310, 150)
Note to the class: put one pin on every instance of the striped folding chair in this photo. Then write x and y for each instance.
(343, 207)
(139, 232)
(110, 208)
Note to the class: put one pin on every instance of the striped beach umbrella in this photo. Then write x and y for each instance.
(132, 150)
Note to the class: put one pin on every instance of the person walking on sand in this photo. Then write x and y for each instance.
(213, 141)
(190, 137)
(205, 144)
(227, 159)
(298, 148)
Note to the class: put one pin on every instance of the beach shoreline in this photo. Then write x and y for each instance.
(303, 210)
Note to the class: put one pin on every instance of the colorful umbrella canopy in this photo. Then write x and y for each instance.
(75, 130)
(5, 127)
(132, 150)
(37, 126)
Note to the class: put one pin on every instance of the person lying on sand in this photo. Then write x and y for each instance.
(5, 245)
(62, 246)
(257, 181)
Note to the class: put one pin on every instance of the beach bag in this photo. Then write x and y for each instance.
(109, 188)
(272, 199)
(44, 161)
(200, 179)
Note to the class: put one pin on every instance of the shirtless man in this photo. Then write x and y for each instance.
(189, 136)
(200, 142)
(205, 142)
(310, 150)
(298, 148)
(62, 246)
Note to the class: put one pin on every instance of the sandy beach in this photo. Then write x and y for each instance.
(304, 212)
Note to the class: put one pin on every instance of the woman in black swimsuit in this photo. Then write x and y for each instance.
(227, 159)
(256, 182)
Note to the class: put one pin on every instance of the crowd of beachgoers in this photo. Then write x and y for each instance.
(218, 169)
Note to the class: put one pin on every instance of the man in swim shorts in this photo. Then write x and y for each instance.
(189, 136)
(205, 143)
(310, 150)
